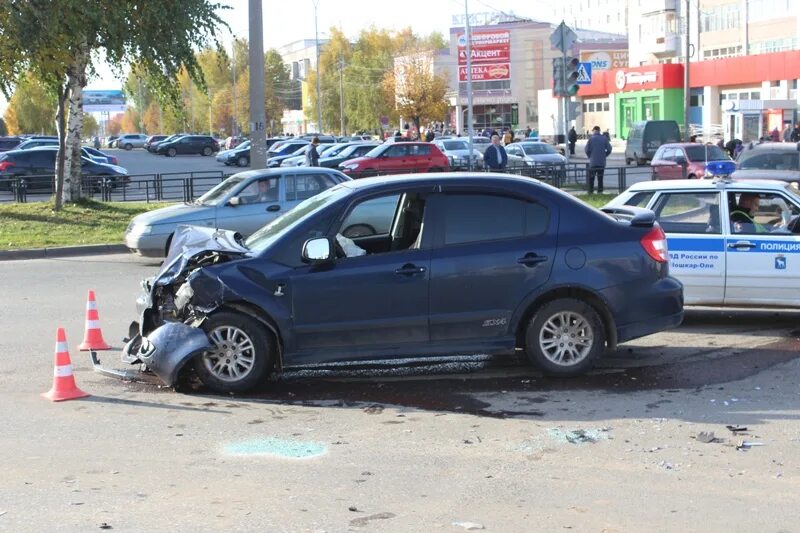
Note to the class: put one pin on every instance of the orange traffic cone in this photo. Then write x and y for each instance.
(93, 338)
(64, 387)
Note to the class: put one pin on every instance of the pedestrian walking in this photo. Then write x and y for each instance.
(795, 134)
(775, 135)
(572, 137)
(508, 138)
(495, 157)
(598, 148)
(312, 156)
(787, 133)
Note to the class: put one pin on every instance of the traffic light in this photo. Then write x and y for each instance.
(571, 76)
(573, 110)
(559, 89)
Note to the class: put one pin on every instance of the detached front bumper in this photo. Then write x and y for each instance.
(165, 351)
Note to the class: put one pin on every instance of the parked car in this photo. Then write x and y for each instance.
(239, 156)
(397, 158)
(670, 159)
(152, 140)
(9, 143)
(479, 142)
(98, 155)
(36, 143)
(721, 262)
(89, 153)
(645, 137)
(351, 151)
(187, 145)
(546, 274)
(283, 150)
(534, 155)
(38, 166)
(235, 204)
(323, 139)
(323, 150)
(153, 148)
(111, 141)
(129, 141)
(457, 153)
(777, 161)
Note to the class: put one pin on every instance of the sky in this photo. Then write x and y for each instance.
(288, 21)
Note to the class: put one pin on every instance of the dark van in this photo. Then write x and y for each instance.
(645, 137)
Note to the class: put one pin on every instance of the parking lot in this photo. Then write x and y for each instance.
(479, 441)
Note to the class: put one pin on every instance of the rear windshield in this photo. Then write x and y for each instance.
(455, 145)
(706, 152)
(538, 149)
(770, 160)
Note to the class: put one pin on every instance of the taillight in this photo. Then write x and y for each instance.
(5, 165)
(114, 160)
(655, 244)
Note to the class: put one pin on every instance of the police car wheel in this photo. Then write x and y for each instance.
(565, 337)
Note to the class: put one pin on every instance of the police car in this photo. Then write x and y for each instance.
(722, 256)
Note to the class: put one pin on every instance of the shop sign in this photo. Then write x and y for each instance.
(487, 47)
(605, 59)
(623, 79)
(486, 72)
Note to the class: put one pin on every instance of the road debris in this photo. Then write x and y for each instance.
(578, 436)
(706, 437)
(3, 512)
(359, 522)
(373, 409)
(736, 429)
(469, 526)
(105, 526)
(745, 444)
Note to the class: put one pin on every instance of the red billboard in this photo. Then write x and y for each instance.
(482, 72)
(487, 47)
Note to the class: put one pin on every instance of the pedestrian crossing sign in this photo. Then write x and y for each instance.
(584, 74)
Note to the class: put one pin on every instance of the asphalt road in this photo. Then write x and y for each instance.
(488, 442)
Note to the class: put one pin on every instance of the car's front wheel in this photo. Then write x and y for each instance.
(172, 152)
(129, 147)
(207, 151)
(242, 161)
(565, 337)
(241, 354)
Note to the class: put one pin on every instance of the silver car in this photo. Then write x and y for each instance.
(533, 154)
(243, 203)
(457, 152)
(774, 161)
(129, 141)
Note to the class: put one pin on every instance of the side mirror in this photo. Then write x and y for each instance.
(317, 251)
(235, 201)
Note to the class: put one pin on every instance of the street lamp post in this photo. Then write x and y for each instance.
(468, 36)
(319, 91)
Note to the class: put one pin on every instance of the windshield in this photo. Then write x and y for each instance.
(455, 145)
(244, 146)
(375, 152)
(332, 150)
(707, 152)
(538, 149)
(770, 160)
(270, 233)
(215, 195)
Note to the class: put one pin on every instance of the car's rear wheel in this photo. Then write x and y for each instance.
(129, 147)
(565, 337)
(241, 354)
(207, 151)
(242, 161)
(172, 152)
(691, 177)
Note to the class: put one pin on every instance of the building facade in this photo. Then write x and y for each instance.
(300, 58)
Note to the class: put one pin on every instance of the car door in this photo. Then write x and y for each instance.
(299, 187)
(395, 159)
(185, 145)
(515, 156)
(664, 164)
(370, 303)
(763, 268)
(259, 203)
(420, 157)
(490, 251)
(695, 241)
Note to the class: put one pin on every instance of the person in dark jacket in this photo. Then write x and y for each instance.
(598, 148)
(312, 156)
(795, 137)
(572, 137)
(495, 157)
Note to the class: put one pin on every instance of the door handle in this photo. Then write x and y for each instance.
(741, 244)
(274, 208)
(409, 270)
(531, 259)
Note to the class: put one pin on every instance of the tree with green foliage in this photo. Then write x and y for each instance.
(55, 40)
(33, 107)
(419, 91)
(335, 54)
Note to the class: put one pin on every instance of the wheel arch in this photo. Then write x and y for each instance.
(263, 317)
(574, 292)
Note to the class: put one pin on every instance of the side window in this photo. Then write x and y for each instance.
(640, 199)
(370, 217)
(480, 218)
(304, 186)
(688, 212)
(398, 150)
(760, 213)
(420, 149)
(260, 191)
(361, 150)
(668, 154)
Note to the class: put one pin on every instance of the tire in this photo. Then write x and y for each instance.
(251, 352)
(172, 152)
(553, 357)
(169, 243)
(358, 230)
(628, 161)
(242, 161)
(129, 147)
(691, 177)
(207, 151)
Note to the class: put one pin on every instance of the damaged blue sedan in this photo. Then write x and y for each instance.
(404, 267)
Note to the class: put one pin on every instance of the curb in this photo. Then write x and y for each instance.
(62, 251)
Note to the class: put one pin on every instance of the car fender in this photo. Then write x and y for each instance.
(169, 347)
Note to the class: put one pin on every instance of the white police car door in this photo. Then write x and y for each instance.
(763, 268)
(695, 243)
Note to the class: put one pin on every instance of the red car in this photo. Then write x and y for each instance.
(397, 158)
(668, 161)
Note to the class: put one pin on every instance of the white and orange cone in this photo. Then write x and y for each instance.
(93, 338)
(64, 387)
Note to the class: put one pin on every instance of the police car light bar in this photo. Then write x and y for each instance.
(720, 169)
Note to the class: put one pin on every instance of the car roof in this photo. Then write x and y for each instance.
(532, 142)
(707, 184)
(267, 172)
(684, 145)
(441, 178)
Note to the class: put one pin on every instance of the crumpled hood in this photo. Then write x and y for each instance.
(191, 241)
